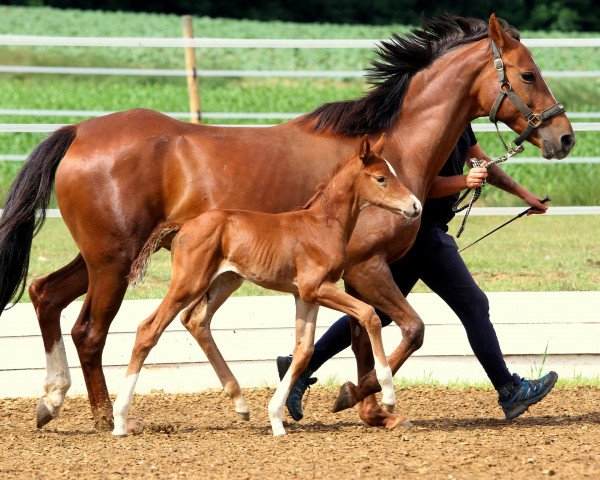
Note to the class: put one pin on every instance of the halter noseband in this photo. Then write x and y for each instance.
(534, 120)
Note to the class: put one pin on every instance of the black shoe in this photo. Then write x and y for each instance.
(516, 397)
(294, 400)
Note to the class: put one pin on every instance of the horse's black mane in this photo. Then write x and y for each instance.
(399, 59)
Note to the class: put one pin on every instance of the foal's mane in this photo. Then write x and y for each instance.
(321, 187)
(389, 75)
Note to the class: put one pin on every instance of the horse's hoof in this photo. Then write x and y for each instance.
(346, 398)
(244, 416)
(43, 414)
(103, 424)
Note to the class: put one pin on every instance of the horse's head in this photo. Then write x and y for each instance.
(379, 185)
(520, 97)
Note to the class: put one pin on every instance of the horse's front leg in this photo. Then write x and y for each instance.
(306, 319)
(329, 295)
(372, 281)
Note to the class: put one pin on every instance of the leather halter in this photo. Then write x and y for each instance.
(534, 120)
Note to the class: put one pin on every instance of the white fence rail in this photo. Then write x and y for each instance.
(252, 331)
(157, 72)
(50, 41)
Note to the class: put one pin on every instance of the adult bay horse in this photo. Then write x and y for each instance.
(117, 177)
(300, 252)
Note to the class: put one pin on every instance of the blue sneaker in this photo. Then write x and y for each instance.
(294, 400)
(516, 397)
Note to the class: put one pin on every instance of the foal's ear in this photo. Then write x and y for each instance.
(496, 32)
(365, 148)
(378, 147)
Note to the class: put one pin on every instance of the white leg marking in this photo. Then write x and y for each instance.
(276, 405)
(58, 378)
(122, 403)
(384, 377)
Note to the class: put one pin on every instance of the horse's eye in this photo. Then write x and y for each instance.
(381, 179)
(528, 77)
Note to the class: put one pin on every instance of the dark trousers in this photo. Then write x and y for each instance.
(434, 258)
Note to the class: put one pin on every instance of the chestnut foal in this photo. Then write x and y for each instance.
(301, 252)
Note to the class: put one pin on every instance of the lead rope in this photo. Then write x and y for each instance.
(475, 162)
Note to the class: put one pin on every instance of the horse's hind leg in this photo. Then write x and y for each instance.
(197, 319)
(50, 295)
(106, 289)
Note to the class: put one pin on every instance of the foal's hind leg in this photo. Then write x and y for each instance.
(148, 333)
(50, 295)
(197, 319)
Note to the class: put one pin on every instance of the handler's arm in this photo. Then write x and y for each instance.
(500, 179)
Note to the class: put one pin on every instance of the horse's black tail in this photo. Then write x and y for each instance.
(30, 191)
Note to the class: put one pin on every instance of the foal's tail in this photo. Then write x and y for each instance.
(154, 243)
(29, 192)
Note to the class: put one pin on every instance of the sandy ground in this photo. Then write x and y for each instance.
(457, 433)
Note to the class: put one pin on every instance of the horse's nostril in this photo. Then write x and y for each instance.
(567, 141)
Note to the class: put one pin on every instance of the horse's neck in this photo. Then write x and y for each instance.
(438, 105)
(338, 206)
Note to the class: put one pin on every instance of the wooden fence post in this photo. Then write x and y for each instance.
(192, 76)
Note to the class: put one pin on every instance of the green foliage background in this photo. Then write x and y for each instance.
(564, 15)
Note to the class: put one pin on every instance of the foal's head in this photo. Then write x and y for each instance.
(377, 183)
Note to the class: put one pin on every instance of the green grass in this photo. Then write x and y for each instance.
(528, 255)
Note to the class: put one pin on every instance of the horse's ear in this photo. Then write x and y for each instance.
(378, 147)
(365, 148)
(496, 32)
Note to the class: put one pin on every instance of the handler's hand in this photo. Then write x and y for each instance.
(476, 177)
(534, 202)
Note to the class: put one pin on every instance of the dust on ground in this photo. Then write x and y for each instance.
(457, 433)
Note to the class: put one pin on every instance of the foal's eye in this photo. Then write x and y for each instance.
(528, 77)
(380, 179)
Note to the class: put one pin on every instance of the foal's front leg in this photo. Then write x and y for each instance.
(306, 319)
(329, 295)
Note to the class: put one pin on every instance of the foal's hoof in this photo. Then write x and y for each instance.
(395, 421)
(346, 397)
(43, 414)
(244, 416)
(134, 426)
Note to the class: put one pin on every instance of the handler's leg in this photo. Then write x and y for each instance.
(446, 274)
